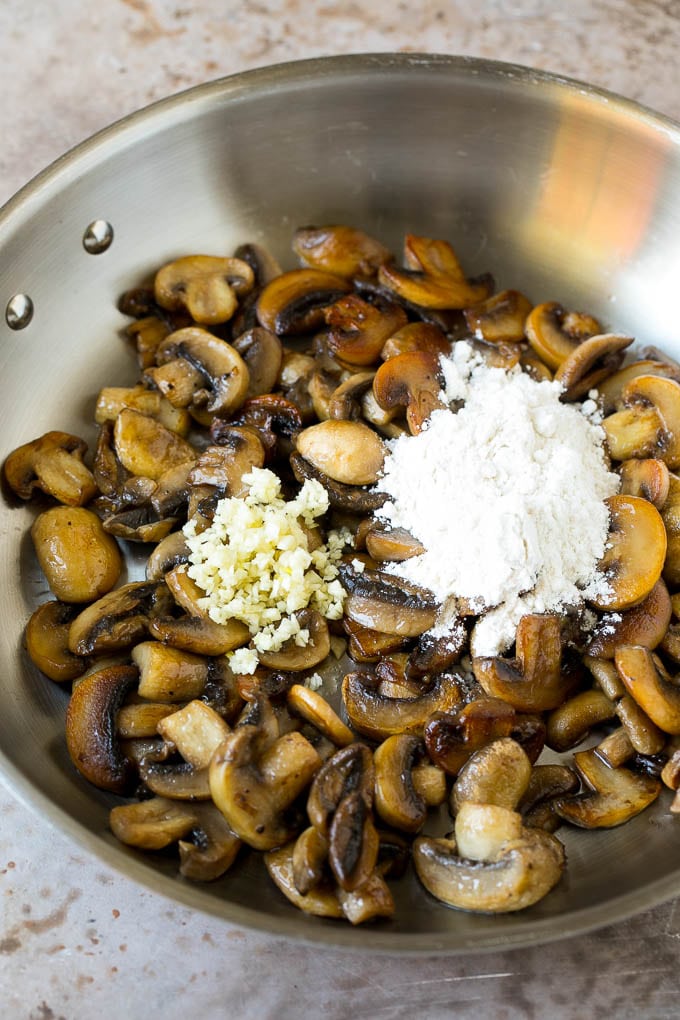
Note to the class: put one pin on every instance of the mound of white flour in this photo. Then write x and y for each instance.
(505, 491)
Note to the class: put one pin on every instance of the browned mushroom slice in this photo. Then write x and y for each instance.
(436, 654)
(169, 674)
(370, 900)
(546, 784)
(357, 330)
(611, 390)
(223, 374)
(591, 362)
(347, 451)
(321, 387)
(670, 516)
(112, 400)
(146, 448)
(339, 249)
(637, 431)
(169, 553)
(262, 352)
(207, 286)
(314, 709)
(353, 842)
(199, 634)
(497, 774)
(310, 854)
(294, 301)
(413, 381)
(139, 719)
(615, 749)
(378, 717)
(499, 319)
(534, 367)
(119, 619)
(223, 466)
(175, 781)
(452, 737)
(648, 478)
(214, 848)
(534, 681)
(263, 264)
(429, 783)
(635, 553)
(321, 901)
(434, 277)
(276, 420)
(47, 641)
(366, 645)
(293, 657)
(346, 401)
(568, 724)
(152, 824)
(392, 544)
(347, 771)
(657, 694)
(554, 333)
(523, 873)
(91, 737)
(147, 333)
(644, 624)
(354, 499)
(664, 396)
(54, 464)
(416, 336)
(397, 801)
(253, 790)
(613, 797)
(196, 730)
(383, 602)
(645, 736)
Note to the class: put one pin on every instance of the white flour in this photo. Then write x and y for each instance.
(506, 494)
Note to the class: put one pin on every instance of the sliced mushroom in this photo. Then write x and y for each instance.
(139, 719)
(207, 286)
(262, 353)
(80, 561)
(611, 390)
(396, 799)
(54, 464)
(644, 624)
(294, 301)
(452, 737)
(353, 842)
(223, 466)
(613, 795)
(378, 717)
(347, 771)
(534, 681)
(112, 400)
(339, 249)
(546, 784)
(199, 634)
(152, 824)
(414, 381)
(253, 790)
(499, 319)
(263, 264)
(590, 362)
(91, 737)
(637, 431)
(392, 544)
(664, 396)
(214, 847)
(321, 901)
(346, 401)
(647, 478)
(347, 451)
(276, 420)
(554, 333)
(47, 641)
(196, 730)
(437, 654)
(657, 694)
(355, 499)
(224, 376)
(357, 330)
(635, 553)
(497, 774)
(366, 645)
(293, 657)
(119, 619)
(310, 855)
(568, 724)
(383, 602)
(175, 781)
(169, 553)
(524, 872)
(147, 333)
(314, 709)
(147, 448)
(434, 277)
(615, 749)
(169, 674)
(370, 900)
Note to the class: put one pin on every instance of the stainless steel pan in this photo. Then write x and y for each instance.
(561, 190)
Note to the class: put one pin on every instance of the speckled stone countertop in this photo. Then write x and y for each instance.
(77, 940)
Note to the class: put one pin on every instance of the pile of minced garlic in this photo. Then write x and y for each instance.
(505, 489)
(254, 564)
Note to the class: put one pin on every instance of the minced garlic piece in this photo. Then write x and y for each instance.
(254, 564)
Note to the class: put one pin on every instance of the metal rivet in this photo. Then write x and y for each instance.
(19, 311)
(97, 237)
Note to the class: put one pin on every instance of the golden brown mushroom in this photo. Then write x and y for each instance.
(54, 464)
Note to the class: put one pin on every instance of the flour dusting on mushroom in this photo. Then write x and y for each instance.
(506, 494)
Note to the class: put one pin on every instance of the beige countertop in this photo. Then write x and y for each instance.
(77, 940)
